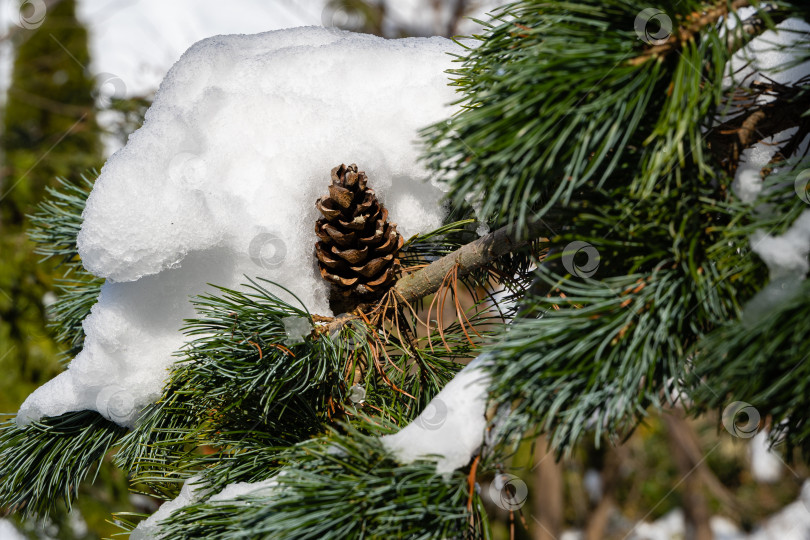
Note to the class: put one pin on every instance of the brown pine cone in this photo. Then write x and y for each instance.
(358, 251)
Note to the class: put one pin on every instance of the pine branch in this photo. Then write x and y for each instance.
(467, 259)
(695, 23)
(345, 485)
(755, 119)
(56, 225)
(54, 228)
(46, 461)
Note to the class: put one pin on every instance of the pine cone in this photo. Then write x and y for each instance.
(358, 251)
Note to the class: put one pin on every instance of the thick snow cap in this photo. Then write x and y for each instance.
(221, 181)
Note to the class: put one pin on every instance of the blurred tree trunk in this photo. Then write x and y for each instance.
(598, 520)
(684, 446)
(548, 493)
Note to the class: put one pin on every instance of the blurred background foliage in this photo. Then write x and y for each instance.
(55, 125)
(49, 130)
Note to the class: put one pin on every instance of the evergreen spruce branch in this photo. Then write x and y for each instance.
(677, 137)
(159, 451)
(767, 338)
(508, 271)
(220, 405)
(46, 461)
(342, 486)
(410, 373)
(465, 260)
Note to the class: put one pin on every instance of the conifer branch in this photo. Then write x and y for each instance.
(467, 258)
(756, 120)
(688, 32)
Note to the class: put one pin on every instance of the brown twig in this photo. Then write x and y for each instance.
(753, 121)
(428, 280)
(687, 32)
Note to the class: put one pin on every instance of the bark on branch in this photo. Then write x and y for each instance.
(755, 120)
(467, 258)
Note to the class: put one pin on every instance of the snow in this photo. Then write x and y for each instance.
(149, 529)
(790, 523)
(672, 526)
(297, 329)
(766, 465)
(133, 43)
(9, 532)
(190, 494)
(592, 482)
(451, 427)
(755, 62)
(242, 489)
(748, 179)
(785, 255)
(238, 145)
